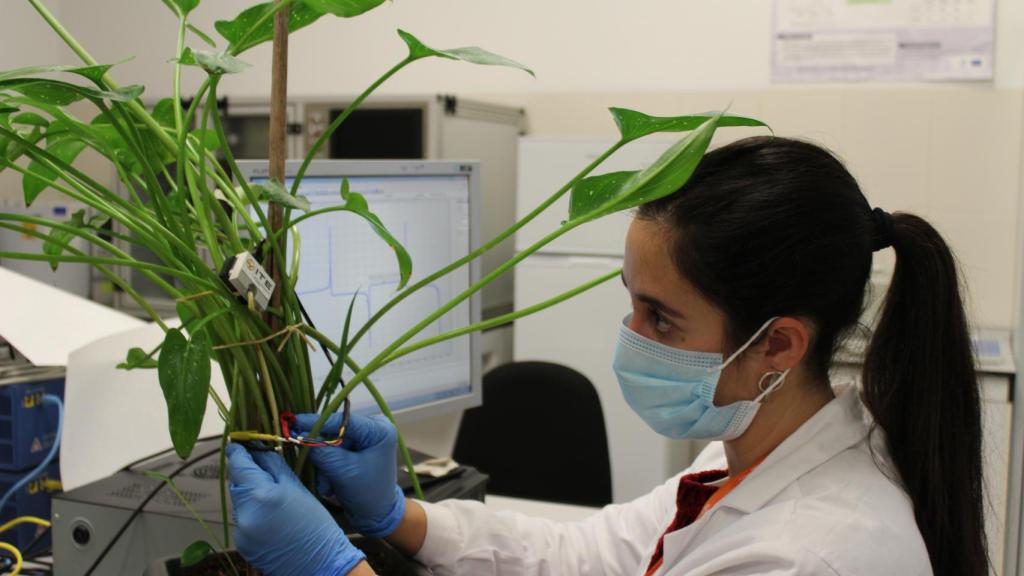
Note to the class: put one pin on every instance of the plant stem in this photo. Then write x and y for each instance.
(62, 32)
(341, 118)
(403, 449)
(292, 223)
(84, 55)
(278, 127)
(103, 260)
(268, 389)
(233, 166)
(386, 410)
(179, 120)
(89, 237)
(223, 480)
(500, 320)
(117, 280)
(82, 195)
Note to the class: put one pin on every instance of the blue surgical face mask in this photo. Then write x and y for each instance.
(673, 390)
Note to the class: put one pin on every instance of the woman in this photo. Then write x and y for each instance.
(743, 284)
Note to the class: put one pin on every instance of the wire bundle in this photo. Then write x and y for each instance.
(16, 562)
(287, 437)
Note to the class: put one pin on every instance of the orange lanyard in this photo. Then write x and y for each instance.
(731, 483)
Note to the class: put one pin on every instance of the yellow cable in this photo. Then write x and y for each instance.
(23, 520)
(249, 436)
(17, 557)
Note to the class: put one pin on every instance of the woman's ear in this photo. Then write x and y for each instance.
(786, 343)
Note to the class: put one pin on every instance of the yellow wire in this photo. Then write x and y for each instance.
(24, 520)
(248, 436)
(17, 557)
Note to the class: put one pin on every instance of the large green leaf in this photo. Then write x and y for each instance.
(195, 553)
(94, 73)
(5, 122)
(184, 373)
(213, 62)
(66, 150)
(60, 93)
(205, 137)
(633, 125)
(182, 7)
(473, 54)
(274, 191)
(343, 8)
(57, 239)
(163, 112)
(596, 191)
(138, 358)
(30, 119)
(13, 149)
(356, 203)
(243, 34)
(185, 313)
(601, 195)
(105, 138)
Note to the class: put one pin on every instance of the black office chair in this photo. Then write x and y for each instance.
(539, 434)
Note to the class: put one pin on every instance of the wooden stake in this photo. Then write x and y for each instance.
(278, 130)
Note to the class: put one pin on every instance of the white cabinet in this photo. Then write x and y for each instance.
(581, 333)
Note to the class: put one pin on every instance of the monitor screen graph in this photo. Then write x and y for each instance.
(428, 208)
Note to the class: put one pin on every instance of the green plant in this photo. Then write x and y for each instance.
(183, 202)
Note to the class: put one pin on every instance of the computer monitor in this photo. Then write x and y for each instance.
(431, 209)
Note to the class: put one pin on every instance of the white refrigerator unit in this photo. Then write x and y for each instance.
(581, 333)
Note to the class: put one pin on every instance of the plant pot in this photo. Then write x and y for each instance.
(384, 560)
(212, 565)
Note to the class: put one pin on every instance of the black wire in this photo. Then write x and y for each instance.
(27, 553)
(138, 509)
(348, 403)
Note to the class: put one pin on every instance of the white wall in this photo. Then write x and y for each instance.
(951, 156)
(573, 45)
(949, 151)
(25, 39)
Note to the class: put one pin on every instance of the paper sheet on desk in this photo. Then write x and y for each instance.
(45, 324)
(115, 417)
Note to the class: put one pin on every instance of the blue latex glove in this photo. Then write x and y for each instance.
(280, 527)
(361, 473)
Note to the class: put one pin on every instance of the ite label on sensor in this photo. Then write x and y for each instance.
(247, 275)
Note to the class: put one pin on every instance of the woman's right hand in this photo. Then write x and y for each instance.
(361, 473)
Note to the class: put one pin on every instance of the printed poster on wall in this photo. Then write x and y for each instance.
(888, 40)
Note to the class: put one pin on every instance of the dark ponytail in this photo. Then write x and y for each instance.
(920, 386)
(777, 227)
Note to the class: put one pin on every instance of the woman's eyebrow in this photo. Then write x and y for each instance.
(654, 302)
(661, 306)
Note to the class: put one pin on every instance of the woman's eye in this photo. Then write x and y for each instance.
(661, 325)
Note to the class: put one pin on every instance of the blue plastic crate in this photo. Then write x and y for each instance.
(27, 427)
(31, 500)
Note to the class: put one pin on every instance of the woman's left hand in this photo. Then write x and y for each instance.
(280, 527)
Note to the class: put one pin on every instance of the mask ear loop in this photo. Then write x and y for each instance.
(743, 348)
(775, 385)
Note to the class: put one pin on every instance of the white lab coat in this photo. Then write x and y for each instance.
(818, 504)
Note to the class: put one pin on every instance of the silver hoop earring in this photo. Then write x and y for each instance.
(773, 384)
